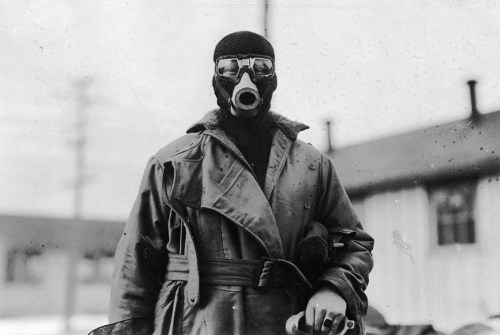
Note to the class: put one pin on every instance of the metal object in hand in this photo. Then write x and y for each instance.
(294, 325)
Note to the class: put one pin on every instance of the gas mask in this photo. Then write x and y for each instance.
(245, 83)
(244, 78)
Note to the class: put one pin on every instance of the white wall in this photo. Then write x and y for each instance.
(3, 268)
(414, 281)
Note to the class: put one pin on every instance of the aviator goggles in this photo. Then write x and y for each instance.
(233, 67)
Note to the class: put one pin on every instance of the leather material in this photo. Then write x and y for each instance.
(199, 198)
(134, 326)
(262, 273)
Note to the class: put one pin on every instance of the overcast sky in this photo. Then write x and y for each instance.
(374, 68)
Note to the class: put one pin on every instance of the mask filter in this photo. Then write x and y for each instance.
(246, 98)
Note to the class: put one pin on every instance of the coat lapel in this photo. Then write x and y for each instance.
(277, 159)
(232, 191)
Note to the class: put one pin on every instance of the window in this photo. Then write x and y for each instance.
(23, 265)
(452, 205)
(96, 266)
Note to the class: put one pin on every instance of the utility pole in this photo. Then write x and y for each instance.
(266, 18)
(329, 137)
(474, 115)
(74, 227)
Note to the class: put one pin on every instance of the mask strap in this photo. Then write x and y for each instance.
(224, 93)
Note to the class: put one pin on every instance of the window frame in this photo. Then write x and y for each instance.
(471, 195)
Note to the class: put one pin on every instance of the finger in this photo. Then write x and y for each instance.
(319, 317)
(327, 323)
(309, 317)
(338, 323)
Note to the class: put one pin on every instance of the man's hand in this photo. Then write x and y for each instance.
(325, 312)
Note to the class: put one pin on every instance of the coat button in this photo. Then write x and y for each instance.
(311, 166)
(307, 205)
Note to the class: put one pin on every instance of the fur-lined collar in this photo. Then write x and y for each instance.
(212, 121)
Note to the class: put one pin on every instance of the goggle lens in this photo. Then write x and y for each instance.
(228, 68)
(262, 67)
(231, 68)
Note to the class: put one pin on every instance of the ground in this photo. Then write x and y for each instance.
(81, 324)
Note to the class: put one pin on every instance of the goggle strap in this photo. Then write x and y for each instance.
(224, 93)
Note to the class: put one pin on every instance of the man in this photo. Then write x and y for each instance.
(238, 225)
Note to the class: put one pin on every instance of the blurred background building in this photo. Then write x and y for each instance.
(430, 199)
(90, 90)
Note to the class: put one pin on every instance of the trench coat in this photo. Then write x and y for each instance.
(206, 250)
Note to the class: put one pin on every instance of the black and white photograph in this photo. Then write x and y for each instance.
(282, 167)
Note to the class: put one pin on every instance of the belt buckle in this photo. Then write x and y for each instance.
(263, 278)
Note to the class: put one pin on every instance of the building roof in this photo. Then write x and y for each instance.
(454, 150)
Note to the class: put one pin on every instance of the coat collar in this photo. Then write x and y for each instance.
(290, 128)
(237, 195)
(228, 189)
(277, 159)
(286, 134)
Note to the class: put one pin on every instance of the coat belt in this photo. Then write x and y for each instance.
(266, 272)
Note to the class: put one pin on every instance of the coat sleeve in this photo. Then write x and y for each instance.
(140, 256)
(348, 267)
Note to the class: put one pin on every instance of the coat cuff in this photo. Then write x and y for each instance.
(136, 326)
(356, 300)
